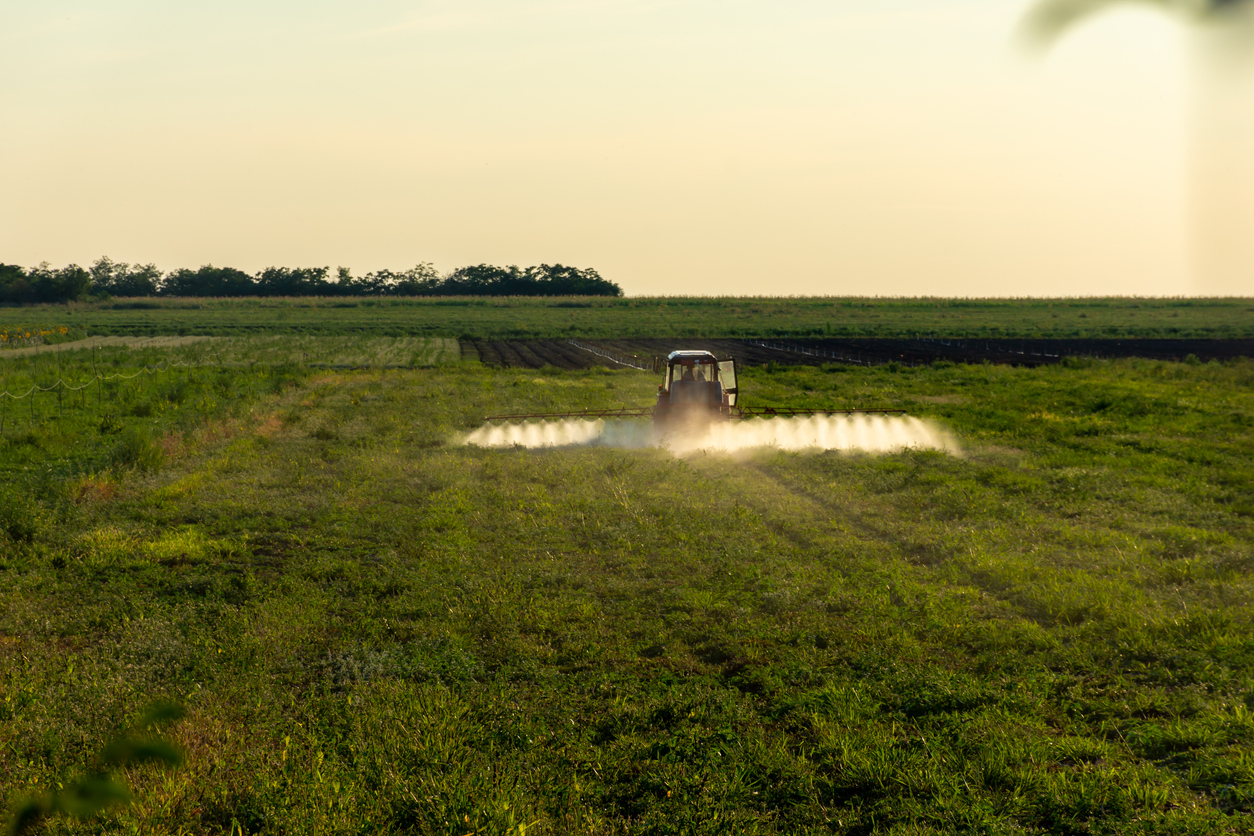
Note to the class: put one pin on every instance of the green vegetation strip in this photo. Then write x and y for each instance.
(608, 318)
(373, 629)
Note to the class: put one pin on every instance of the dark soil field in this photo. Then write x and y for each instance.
(561, 354)
(533, 354)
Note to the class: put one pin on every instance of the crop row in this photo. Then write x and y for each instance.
(663, 318)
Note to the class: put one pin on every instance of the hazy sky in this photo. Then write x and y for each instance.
(891, 147)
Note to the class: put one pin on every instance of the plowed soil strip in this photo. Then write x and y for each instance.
(861, 351)
(529, 358)
(509, 355)
(914, 351)
(582, 359)
(488, 354)
(577, 358)
(550, 356)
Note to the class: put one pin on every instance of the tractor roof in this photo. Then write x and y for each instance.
(690, 357)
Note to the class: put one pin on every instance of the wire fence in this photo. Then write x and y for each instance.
(860, 358)
(986, 346)
(164, 365)
(631, 361)
(857, 358)
(61, 386)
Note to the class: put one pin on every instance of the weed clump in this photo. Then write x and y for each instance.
(109, 424)
(20, 519)
(136, 450)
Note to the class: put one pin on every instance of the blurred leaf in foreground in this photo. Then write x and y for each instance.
(91, 794)
(1048, 20)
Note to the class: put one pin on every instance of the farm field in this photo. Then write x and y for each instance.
(654, 317)
(582, 354)
(375, 628)
(80, 341)
(227, 351)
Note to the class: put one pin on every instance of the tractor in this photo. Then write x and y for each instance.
(696, 389)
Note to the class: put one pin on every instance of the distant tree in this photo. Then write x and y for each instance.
(139, 280)
(301, 281)
(344, 282)
(68, 284)
(416, 281)
(420, 280)
(118, 279)
(545, 280)
(487, 280)
(14, 285)
(376, 283)
(560, 280)
(44, 284)
(209, 281)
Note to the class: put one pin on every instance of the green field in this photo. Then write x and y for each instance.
(376, 629)
(663, 317)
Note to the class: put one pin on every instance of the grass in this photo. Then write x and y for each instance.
(334, 350)
(74, 414)
(374, 629)
(661, 317)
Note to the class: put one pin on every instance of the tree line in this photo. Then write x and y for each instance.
(107, 278)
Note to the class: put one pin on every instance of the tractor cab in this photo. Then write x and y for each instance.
(697, 386)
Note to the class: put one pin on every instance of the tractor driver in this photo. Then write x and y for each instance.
(694, 373)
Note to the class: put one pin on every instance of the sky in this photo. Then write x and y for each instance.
(702, 147)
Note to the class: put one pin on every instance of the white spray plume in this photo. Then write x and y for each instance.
(849, 433)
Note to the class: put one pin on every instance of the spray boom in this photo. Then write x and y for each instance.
(697, 389)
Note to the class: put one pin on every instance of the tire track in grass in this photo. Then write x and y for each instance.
(1047, 595)
(802, 519)
(852, 513)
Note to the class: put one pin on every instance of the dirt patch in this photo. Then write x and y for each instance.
(93, 489)
(172, 446)
(995, 454)
(218, 430)
(271, 425)
(942, 398)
